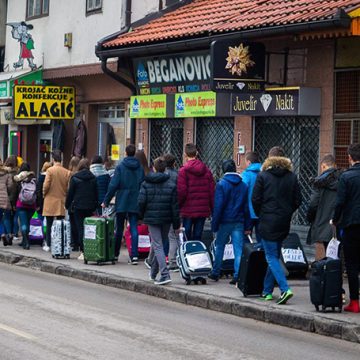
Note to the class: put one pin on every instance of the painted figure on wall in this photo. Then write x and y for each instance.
(20, 32)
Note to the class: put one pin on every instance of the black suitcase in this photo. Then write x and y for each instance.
(252, 270)
(294, 257)
(326, 284)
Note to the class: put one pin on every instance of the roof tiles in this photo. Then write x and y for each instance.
(213, 16)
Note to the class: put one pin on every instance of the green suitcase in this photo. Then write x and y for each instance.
(99, 240)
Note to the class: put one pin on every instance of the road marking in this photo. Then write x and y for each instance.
(17, 332)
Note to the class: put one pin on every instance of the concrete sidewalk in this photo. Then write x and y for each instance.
(299, 313)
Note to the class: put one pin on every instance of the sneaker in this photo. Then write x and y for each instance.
(163, 280)
(133, 261)
(285, 296)
(174, 268)
(266, 297)
(46, 248)
(147, 264)
(213, 277)
(81, 257)
(152, 277)
(233, 281)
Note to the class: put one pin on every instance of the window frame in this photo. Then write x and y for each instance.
(94, 10)
(42, 14)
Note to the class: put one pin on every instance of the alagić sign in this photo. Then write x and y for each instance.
(44, 102)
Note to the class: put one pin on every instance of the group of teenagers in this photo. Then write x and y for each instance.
(262, 199)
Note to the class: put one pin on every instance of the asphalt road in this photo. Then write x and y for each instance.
(45, 316)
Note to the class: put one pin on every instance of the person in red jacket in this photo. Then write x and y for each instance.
(196, 189)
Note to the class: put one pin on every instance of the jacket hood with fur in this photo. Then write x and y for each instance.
(277, 165)
(24, 175)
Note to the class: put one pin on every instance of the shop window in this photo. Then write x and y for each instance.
(93, 6)
(37, 8)
(347, 92)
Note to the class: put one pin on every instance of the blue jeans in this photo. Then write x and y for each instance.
(236, 231)
(274, 271)
(5, 216)
(133, 221)
(25, 216)
(193, 227)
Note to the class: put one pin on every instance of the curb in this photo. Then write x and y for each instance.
(242, 308)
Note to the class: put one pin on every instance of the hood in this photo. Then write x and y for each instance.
(328, 179)
(4, 170)
(131, 162)
(255, 167)
(157, 178)
(98, 169)
(232, 178)
(195, 167)
(277, 165)
(24, 175)
(84, 175)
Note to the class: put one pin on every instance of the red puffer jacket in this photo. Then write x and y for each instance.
(196, 189)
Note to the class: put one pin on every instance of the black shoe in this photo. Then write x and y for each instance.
(213, 277)
(25, 242)
(9, 239)
(233, 281)
(133, 260)
(4, 240)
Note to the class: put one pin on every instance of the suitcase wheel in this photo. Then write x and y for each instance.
(340, 309)
(196, 282)
(53, 256)
(113, 262)
(203, 281)
(85, 261)
(67, 256)
(317, 307)
(323, 309)
(188, 282)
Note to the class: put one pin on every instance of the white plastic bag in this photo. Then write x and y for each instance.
(332, 250)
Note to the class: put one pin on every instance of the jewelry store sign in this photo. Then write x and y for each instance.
(294, 101)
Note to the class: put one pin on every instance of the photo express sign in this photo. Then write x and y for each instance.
(170, 74)
(44, 102)
(237, 66)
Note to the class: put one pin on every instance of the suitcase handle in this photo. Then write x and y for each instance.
(182, 235)
(250, 239)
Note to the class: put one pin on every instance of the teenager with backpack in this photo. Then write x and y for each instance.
(26, 200)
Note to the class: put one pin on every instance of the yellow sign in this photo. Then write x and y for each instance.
(115, 152)
(44, 102)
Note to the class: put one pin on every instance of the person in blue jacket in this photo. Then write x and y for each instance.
(249, 175)
(126, 183)
(231, 217)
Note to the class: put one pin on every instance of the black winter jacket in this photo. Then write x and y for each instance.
(82, 193)
(275, 197)
(347, 208)
(158, 202)
(322, 206)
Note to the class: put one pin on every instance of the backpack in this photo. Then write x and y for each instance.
(27, 193)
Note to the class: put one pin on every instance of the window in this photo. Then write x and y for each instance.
(93, 5)
(37, 8)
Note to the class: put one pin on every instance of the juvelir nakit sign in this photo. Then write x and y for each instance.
(237, 66)
(195, 104)
(152, 106)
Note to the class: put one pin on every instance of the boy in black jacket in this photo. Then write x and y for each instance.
(158, 207)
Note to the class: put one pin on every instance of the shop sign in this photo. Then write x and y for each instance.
(278, 102)
(115, 152)
(4, 93)
(44, 102)
(152, 106)
(195, 104)
(170, 74)
(30, 78)
(237, 66)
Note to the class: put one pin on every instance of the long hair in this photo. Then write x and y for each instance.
(140, 155)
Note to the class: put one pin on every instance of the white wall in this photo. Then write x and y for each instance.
(2, 21)
(65, 16)
(141, 8)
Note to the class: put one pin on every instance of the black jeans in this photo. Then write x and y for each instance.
(74, 231)
(80, 215)
(351, 246)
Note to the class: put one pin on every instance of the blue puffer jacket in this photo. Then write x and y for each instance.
(126, 183)
(249, 176)
(231, 202)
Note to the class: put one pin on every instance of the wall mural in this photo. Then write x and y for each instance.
(20, 32)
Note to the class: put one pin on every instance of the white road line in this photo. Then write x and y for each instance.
(17, 332)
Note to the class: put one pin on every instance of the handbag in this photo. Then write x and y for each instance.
(332, 250)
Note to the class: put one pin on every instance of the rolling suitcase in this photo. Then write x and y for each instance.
(193, 261)
(99, 240)
(293, 256)
(60, 239)
(36, 231)
(252, 270)
(227, 265)
(326, 284)
(144, 240)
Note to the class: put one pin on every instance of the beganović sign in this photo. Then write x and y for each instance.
(44, 102)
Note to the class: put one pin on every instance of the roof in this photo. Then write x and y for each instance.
(202, 18)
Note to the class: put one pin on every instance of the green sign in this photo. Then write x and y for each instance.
(4, 93)
(195, 104)
(30, 78)
(152, 106)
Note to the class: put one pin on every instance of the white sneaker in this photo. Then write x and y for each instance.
(46, 248)
(81, 256)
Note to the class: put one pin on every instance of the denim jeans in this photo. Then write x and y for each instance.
(5, 216)
(133, 221)
(274, 271)
(193, 227)
(25, 216)
(236, 231)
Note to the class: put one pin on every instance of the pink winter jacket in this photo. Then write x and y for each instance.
(196, 189)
